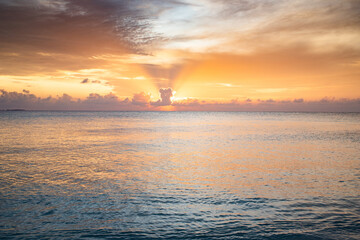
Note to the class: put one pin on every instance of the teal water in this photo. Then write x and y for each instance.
(172, 175)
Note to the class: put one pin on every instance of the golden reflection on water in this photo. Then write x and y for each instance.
(247, 155)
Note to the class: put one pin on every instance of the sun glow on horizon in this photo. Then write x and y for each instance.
(265, 58)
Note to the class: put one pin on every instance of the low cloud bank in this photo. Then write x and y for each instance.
(142, 102)
(94, 102)
(296, 105)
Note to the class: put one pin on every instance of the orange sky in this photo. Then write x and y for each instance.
(211, 50)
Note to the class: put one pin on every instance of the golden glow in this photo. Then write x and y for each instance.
(285, 54)
(268, 169)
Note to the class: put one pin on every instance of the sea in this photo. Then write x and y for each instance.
(179, 175)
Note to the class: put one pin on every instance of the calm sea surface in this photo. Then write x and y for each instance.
(136, 175)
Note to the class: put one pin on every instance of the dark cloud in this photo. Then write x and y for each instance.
(166, 94)
(86, 80)
(76, 27)
(165, 97)
(41, 36)
(83, 27)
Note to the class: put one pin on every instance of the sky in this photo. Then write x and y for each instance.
(180, 55)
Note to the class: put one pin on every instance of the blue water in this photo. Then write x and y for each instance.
(172, 175)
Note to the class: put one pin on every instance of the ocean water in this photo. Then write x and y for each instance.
(179, 175)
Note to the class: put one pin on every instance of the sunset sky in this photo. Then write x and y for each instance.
(180, 55)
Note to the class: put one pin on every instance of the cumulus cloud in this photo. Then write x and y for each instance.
(165, 97)
(141, 99)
